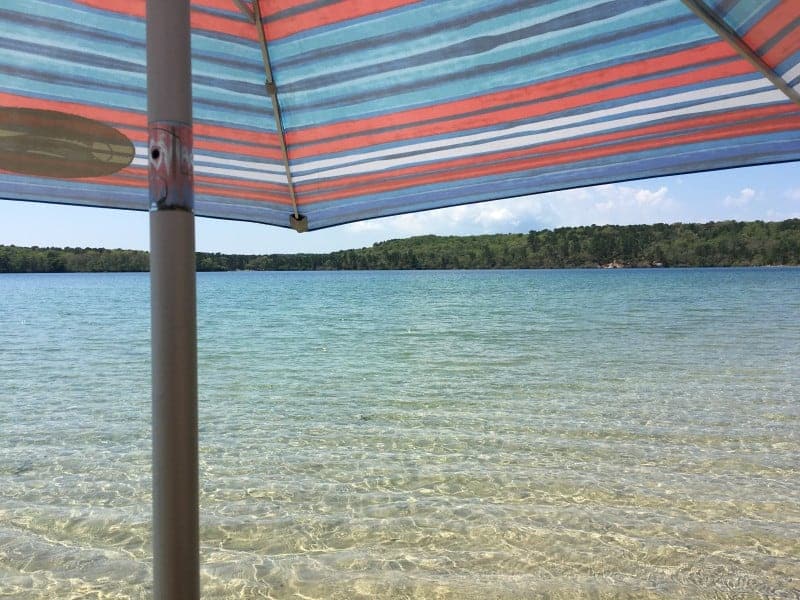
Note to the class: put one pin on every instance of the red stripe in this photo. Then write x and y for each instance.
(554, 153)
(539, 109)
(255, 186)
(98, 113)
(130, 177)
(269, 8)
(225, 25)
(763, 31)
(785, 48)
(234, 135)
(327, 15)
(232, 148)
(133, 8)
(136, 178)
(242, 194)
(213, 137)
(135, 135)
(275, 29)
(535, 92)
(220, 5)
(232, 25)
(550, 147)
(123, 178)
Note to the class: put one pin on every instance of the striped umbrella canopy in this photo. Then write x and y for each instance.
(313, 113)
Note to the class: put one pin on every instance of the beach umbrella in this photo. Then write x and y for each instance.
(309, 114)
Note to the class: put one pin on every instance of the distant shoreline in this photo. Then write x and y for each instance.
(714, 244)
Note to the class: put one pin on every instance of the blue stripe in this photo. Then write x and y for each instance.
(748, 13)
(693, 158)
(454, 80)
(400, 146)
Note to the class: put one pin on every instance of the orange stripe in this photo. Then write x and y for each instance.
(268, 140)
(232, 25)
(256, 186)
(232, 148)
(785, 48)
(244, 195)
(553, 147)
(715, 51)
(557, 153)
(135, 135)
(221, 5)
(327, 15)
(131, 177)
(538, 109)
(218, 137)
(98, 113)
(133, 8)
(136, 178)
(763, 31)
(225, 25)
(269, 8)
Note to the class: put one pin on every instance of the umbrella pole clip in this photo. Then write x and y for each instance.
(171, 174)
(299, 223)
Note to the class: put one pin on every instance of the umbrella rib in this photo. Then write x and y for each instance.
(297, 221)
(245, 10)
(727, 33)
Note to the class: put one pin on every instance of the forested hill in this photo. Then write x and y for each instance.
(725, 243)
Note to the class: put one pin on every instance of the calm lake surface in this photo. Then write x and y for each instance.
(513, 434)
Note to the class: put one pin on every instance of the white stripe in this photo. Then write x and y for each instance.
(245, 164)
(792, 73)
(760, 98)
(249, 171)
(693, 96)
(239, 174)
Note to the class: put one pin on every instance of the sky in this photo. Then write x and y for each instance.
(769, 193)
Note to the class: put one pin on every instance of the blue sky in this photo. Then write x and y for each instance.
(769, 193)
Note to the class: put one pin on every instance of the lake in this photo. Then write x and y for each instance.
(444, 434)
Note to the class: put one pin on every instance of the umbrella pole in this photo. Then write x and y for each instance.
(176, 564)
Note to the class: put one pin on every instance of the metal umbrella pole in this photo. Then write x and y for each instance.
(176, 564)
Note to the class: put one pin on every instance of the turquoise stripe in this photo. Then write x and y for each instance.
(55, 68)
(407, 23)
(507, 25)
(91, 96)
(407, 18)
(446, 91)
(501, 134)
(747, 13)
(120, 26)
(636, 165)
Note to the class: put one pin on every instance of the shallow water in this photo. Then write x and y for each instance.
(542, 434)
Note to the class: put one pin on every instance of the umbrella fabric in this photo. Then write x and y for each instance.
(394, 106)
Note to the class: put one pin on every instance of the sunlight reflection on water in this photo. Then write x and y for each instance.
(429, 435)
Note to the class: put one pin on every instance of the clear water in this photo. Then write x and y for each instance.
(543, 434)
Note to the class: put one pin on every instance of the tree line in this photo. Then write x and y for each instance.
(724, 243)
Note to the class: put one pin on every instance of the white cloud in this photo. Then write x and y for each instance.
(743, 198)
(361, 226)
(793, 194)
(645, 197)
(495, 216)
(623, 204)
(613, 203)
